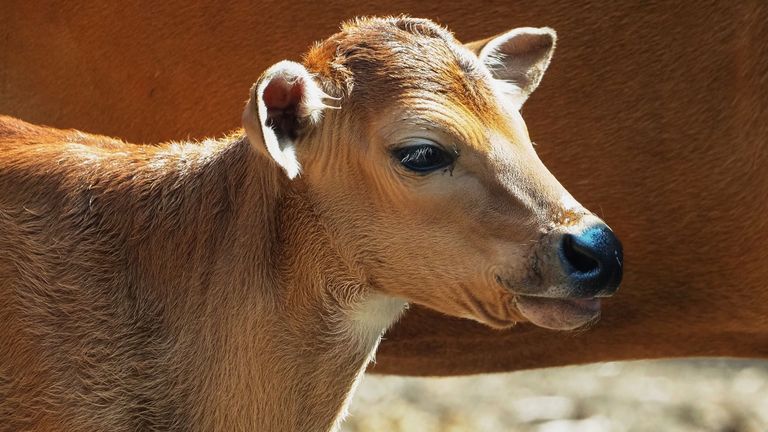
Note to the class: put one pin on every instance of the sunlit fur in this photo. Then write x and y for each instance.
(182, 286)
(196, 286)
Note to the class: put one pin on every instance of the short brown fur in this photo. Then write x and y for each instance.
(194, 286)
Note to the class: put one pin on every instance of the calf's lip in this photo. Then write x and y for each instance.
(558, 313)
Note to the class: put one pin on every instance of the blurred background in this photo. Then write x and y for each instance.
(659, 396)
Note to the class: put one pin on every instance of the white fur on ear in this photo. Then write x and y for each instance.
(518, 57)
(284, 101)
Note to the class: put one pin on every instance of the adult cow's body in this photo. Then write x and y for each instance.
(656, 114)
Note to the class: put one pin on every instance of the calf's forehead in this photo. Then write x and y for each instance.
(377, 64)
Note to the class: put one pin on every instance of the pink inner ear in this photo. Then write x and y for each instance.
(281, 94)
(527, 44)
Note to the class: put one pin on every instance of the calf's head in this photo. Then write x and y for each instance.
(414, 153)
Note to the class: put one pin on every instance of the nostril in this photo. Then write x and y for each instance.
(577, 257)
(591, 261)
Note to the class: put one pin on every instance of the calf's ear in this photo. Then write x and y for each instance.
(519, 57)
(284, 103)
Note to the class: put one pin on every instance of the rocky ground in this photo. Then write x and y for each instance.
(658, 396)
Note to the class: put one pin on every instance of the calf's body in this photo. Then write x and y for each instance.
(170, 286)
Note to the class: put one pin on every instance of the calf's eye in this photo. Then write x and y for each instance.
(423, 157)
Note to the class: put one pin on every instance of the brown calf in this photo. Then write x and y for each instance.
(655, 114)
(244, 283)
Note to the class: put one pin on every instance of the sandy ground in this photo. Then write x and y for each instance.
(658, 396)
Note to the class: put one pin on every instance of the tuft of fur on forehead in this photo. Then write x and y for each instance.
(377, 59)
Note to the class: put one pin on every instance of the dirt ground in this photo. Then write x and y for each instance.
(653, 396)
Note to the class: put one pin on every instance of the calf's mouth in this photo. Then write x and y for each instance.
(573, 268)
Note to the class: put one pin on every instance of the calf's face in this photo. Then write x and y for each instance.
(423, 171)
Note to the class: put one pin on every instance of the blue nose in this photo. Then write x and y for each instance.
(593, 260)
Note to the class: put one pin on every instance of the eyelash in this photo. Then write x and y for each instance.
(425, 157)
